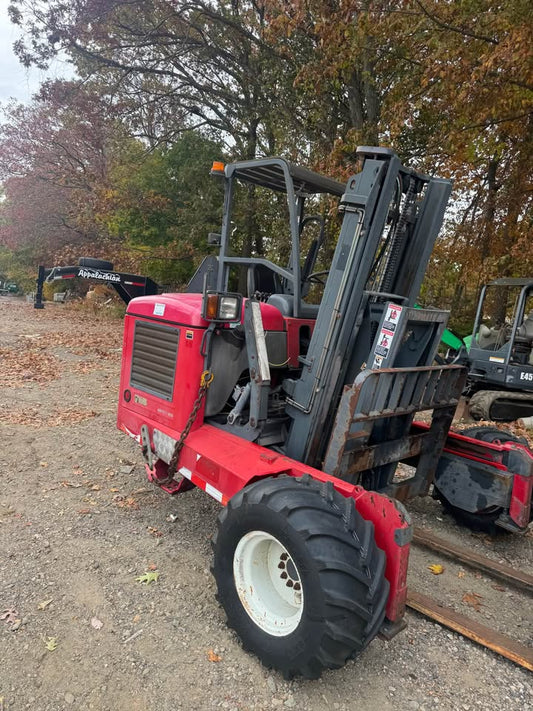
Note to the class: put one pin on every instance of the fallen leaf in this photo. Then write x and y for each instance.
(154, 531)
(16, 624)
(136, 619)
(148, 578)
(436, 569)
(461, 574)
(212, 657)
(51, 643)
(9, 615)
(84, 511)
(96, 623)
(498, 587)
(43, 605)
(473, 600)
(43, 464)
(114, 490)
(125, 503)
(152, 566)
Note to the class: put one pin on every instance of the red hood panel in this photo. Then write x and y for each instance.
(186, 309)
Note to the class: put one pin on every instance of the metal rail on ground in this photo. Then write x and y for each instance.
(518, 578)
(483, 635)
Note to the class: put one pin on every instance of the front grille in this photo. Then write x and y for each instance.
(153, 363)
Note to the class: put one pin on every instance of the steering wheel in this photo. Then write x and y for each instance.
(317, 277)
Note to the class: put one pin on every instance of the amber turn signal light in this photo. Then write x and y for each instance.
(217, 168)
(211, 307)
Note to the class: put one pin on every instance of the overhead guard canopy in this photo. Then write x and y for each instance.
(272, 173)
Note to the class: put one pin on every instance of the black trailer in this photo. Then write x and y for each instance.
(127, 286)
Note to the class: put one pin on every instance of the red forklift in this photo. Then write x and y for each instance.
(294, 403)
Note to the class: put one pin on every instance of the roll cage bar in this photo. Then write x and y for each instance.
(297, 183)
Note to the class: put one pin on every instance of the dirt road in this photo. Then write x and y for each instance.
(79, 524)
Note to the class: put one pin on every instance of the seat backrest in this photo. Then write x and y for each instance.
(284, 303)
(526, 329)
(263, 280)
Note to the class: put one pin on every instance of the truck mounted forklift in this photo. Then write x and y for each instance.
(295, 415)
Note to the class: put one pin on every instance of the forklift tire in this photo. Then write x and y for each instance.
(91, 263)
(484, 520)
(299, 575)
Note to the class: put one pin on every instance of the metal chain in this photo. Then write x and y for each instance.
(205, 381)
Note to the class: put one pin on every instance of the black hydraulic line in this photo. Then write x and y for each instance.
(398, 240)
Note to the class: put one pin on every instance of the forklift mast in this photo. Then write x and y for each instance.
(392, 216)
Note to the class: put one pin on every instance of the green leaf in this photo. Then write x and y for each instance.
(148, 577)
(51, 643)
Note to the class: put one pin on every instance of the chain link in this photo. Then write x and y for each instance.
(205, 381)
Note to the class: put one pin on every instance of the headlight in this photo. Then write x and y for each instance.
(221, 307)
(229, 308)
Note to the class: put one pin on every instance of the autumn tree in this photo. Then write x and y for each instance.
(172, 64)
(54, 158)
(449, 86)
(160, 205)
(471, 96)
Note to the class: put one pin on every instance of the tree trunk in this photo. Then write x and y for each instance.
(490, 210)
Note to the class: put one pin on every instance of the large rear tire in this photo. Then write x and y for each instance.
(299, 575)
(484, 520)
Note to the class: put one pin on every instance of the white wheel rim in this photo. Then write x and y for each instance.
(268, 583)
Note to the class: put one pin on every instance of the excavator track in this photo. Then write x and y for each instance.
(500, 405)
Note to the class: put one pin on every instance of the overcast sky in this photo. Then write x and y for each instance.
(16, 81)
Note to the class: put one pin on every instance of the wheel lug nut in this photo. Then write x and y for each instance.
(283, 576)
(289, 583)
(284, 556)
(297, 586)
(281, 565)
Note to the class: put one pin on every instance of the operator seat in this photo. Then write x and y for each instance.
(525, 332)
(489, 338)
(285, 303)
(264, 281)
(526, 329)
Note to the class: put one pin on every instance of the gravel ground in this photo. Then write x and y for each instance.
(79, 523)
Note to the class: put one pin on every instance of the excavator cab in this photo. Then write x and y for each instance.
(501, 352)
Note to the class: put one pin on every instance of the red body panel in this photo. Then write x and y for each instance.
(506, 457)
(143, 405)
(520, 508)
(182, 311)
(293, 327)
(186, 310)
